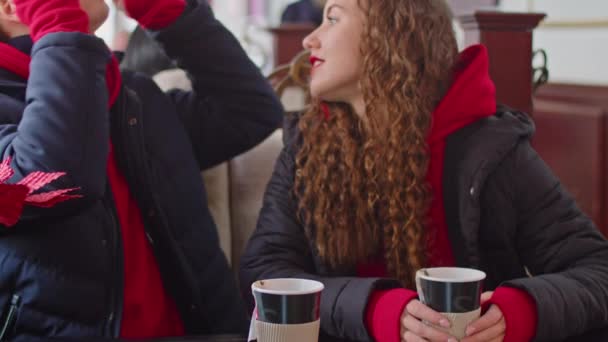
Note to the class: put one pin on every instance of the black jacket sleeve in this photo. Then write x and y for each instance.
(560, 246)
(232, 107)
(279, 248)
(64, 125)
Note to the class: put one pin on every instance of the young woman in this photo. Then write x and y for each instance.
(405, 161)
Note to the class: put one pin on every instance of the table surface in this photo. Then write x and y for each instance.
(207, 338)
(600, 335)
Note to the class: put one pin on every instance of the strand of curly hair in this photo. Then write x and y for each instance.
(361, 188)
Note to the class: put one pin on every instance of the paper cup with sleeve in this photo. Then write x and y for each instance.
(286, 310)
(454, 292)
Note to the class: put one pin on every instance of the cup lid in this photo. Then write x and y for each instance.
(291, 286)
(451, 274)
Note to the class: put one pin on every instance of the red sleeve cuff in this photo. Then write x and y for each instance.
(160, 16)
(383, 313)
(519, 310)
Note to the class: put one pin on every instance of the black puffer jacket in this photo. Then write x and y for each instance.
(506, 212)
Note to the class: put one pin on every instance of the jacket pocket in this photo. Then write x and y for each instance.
(8, 322)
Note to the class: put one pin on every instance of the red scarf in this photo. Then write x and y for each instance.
(17, 62)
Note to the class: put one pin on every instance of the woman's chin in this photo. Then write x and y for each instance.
(97, 20)
(324, 96)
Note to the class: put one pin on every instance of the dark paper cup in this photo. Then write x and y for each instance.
(454, 292)
(287, 301)
(287, 310)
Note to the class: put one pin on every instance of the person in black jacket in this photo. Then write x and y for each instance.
(403, 161)
(123, 244)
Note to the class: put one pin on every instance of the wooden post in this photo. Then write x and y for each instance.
(508, 37)
(288, 41)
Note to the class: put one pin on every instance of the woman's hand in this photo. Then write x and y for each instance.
(489, 327)
(413, 328)
(152, 14)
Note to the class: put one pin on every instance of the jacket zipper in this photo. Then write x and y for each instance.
(115, 314)
(10, 317)
(114, 317)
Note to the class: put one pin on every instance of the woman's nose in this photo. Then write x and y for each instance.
(311, 41)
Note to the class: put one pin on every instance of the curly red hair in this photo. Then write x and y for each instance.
(362, 189)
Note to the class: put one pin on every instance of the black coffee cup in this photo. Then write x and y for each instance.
(454, 292)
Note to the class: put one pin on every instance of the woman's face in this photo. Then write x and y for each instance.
(337, 64)
(97, 10)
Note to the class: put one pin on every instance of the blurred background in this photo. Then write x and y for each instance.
(574, 34)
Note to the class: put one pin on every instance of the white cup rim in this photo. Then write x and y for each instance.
(466, 275)
(291, 286)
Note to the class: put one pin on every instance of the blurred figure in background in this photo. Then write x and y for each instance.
(304, 11)
(144, 55)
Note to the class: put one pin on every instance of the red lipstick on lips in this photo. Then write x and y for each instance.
(313, 60)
